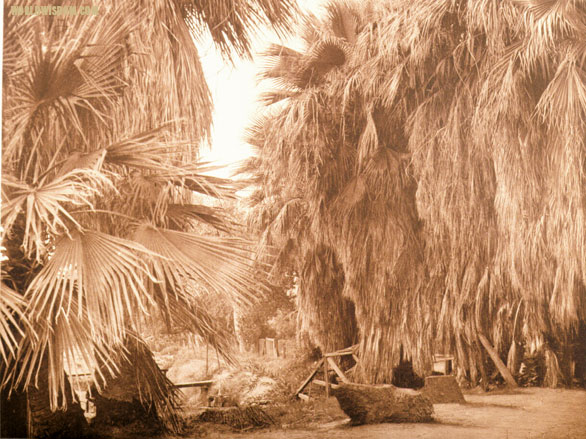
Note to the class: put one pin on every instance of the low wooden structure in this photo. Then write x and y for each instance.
(275, 348)
(206, 384)
(443, 364)
(328, 364)
(205, 388)
(366, 404)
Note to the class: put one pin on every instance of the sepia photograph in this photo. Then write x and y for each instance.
(293, 219)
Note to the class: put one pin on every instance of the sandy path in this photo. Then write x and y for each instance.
(523, 414)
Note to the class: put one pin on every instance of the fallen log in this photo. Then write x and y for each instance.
(366, 404)
(236, 417)
(506, 373)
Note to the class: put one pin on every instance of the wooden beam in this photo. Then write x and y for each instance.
(303, 396)
(206, 383)
(338, 354)
(323, 384)
(506, 373)
(310, 377)
(351, 369)
(346, 351)
(338, 370)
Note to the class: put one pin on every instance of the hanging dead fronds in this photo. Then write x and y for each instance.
(443, 162)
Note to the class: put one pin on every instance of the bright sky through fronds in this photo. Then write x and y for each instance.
(234, 92)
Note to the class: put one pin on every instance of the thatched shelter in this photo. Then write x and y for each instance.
(437, 149)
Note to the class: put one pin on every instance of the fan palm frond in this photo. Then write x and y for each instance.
(45, 206)
(193, 316)
(72, 78)
(148, 150)
(12, 319)
(344, 20)
(181, 260)
(61, 343)
(564, 100)
(98, 278)
(194, 178)
(182, 215)
(230, 22)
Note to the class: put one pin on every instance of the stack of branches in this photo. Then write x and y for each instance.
(442, 159)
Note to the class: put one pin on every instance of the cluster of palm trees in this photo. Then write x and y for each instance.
(103, 194)
(421, 168)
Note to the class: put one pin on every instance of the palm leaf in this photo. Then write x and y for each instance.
(183, 215)
(96, 277)
(61, 343)
(45, 205)
(220, 265)
(194, 317)
(148, 150)
(12, 319)
(564, 99)
(71, 80)
(230, 22)
(80, 305)
(193, 178)
(290, 69)
(344, 20)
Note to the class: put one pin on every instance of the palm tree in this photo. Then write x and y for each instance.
(103, 119)
(436, 148)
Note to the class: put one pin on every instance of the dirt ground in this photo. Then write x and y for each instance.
(524, 413)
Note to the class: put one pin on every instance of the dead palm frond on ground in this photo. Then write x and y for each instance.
(440, 161)
(103, 117)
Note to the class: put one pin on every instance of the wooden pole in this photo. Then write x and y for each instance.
(327, 379)
(338, 371)
(506, 373)
(207, 357)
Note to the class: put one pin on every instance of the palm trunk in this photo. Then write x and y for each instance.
(13, 414)
(45, 423)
